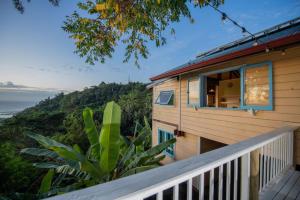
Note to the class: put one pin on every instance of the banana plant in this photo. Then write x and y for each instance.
(110, 155)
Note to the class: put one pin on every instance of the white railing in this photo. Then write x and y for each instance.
(220, 174)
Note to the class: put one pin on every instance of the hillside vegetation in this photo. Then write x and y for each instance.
(61, 119)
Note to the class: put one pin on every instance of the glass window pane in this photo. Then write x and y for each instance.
(257, 86)
(193, 88)
(165, 98)
(161, 136)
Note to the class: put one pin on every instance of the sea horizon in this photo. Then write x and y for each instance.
(10, 108)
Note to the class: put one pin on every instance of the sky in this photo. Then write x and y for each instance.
(35, 52)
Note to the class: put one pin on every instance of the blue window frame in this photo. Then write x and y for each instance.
(165, 136)
(195, 97)
(256, 89)
(165, 98)
(257, 86)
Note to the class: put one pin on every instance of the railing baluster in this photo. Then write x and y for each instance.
(278, 157)
(211, 184)
(273, 159)
(228, 180)
(289, 149)
(281, 155)
(286, 149)
(190, 189)
(245, 176)
(176, 192)
(261, 169)
(268, 163)
(220, 182)
(201, 187)
(265, 167)
(283, 151)
(159, 195)
(292, 147)
(235, 179)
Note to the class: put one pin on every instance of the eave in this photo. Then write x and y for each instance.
(277, 43)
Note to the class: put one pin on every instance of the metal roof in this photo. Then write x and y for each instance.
(285, 29)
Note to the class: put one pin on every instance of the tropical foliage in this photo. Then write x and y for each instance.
(109, 156)
(61, 119)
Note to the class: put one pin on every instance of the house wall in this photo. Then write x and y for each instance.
(231, 126)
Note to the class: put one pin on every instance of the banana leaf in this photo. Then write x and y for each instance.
(48, 165)
(46, 182)
(110, 137)
(156, 150)
(68, 153)
(39, 152)
(138, 170)
(91, 131)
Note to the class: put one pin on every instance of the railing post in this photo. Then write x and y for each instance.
(254, 175)
(245, 176)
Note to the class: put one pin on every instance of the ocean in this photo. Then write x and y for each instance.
(9, 108)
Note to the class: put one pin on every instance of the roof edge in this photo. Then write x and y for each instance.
(288, 40)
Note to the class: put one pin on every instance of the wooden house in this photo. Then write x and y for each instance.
(231, 93)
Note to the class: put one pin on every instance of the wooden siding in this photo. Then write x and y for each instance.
(182, 151)
(231, 126)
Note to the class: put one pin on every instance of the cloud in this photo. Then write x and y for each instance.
(10, 85)
(62, 69)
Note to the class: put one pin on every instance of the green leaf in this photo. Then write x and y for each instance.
(110, 137)
(46, 165)
(77, 148)
(138, 170)
(39, 152)
(46, 182)
(154, 151)
(91, 131)
(68, 153)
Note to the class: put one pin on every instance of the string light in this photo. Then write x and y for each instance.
(244, 31)
(283, 52)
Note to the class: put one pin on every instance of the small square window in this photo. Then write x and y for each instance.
(165, 98)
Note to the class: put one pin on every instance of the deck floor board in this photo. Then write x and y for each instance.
(288, 187)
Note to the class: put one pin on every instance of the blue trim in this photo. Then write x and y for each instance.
(270, 75)
(165, 133)
(223, 70)
(188, 91)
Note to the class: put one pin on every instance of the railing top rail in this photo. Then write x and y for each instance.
(146, 183)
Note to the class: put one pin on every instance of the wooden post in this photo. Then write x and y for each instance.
(254, 175)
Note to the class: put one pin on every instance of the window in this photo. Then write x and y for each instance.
(165, 98)
(247, 87)
(223, 89)
(257, 87)
(193, 91)
(165, 136)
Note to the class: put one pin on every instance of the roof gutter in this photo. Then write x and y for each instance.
(237, 54)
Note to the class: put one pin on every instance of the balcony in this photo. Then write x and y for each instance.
(258, 168)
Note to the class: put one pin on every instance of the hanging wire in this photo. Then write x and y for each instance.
(224, 17)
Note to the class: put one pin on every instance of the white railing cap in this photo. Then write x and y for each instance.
(147, 183)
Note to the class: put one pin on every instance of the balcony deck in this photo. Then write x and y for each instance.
(287, 186)
(257, 167)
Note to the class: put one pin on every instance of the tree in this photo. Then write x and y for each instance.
(104, 24)
(134, 23)
(20, 7)
(110, 155)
